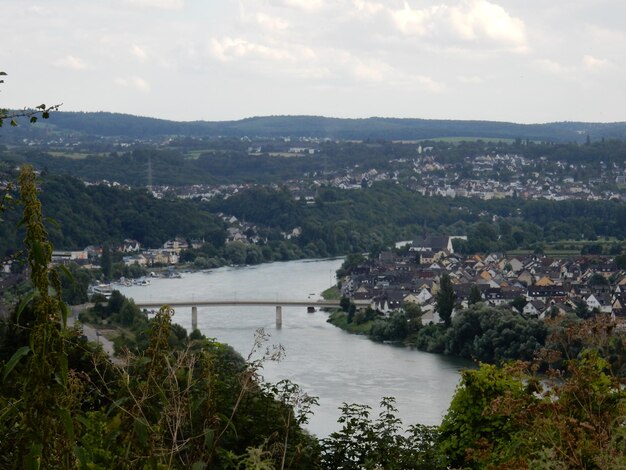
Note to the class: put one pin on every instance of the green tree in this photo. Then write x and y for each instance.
(445, 299)
(475, 295)
(468, 429)
(363, 443)
(413, 313)
(106, 262)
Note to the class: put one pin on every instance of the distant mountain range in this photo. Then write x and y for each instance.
(374, 128)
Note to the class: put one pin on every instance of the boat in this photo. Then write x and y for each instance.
(101, 289)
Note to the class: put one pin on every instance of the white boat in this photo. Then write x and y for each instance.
(102, 289)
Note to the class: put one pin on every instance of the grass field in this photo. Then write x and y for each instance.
(567, 248)
(72, 155)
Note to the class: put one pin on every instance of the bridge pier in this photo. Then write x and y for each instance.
(194, 318)
(279, 316)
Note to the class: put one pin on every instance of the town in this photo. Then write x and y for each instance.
(534, 286)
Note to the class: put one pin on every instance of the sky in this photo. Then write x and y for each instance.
(526, 61)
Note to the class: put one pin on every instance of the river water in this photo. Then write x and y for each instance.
(325, 361)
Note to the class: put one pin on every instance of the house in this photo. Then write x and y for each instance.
(434, 244)
(130, 246)
(66, 257)
(176, 245)
(533, 308)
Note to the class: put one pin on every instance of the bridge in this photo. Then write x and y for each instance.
(279, 304)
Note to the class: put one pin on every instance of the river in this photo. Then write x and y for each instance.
(325, 361)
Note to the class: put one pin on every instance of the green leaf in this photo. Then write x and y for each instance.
(117, 404)
(17, 355)
(38, 253)
(33, 459)
(41, 106)
(209, 436)
(13, 123)
(141, 430)
(33, 119)
(66, 419)
(52, 221)
(65, 312)
(3, 73)
(198, 466)
(45, 115)
(23, 303)
(81, 455)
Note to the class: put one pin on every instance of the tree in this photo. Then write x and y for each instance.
(106, 263)
(475, 295)
(445, 299)
(518, 303)
(468, 428)
(413, 313)
(363, 443)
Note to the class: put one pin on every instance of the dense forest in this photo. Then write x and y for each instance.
(122, 125)
(92, 215)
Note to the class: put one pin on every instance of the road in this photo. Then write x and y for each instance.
(92, 333)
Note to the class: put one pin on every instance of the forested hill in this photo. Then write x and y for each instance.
(128, 126)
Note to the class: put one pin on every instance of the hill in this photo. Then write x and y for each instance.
(128, 126)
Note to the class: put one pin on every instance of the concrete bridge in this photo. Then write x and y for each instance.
(279, 304)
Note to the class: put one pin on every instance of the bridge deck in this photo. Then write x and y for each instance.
(243, 302)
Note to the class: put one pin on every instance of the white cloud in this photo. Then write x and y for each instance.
(138, 51)
(552, 66)
(470, 79)
(480, 18)
(417, 22)
(227, 48)
(271, 23)
(306, 5)
(371, 71)
(595, 63)
(71, 62)
(368, 7)
(134, 82)
(469, 20)
(159, 4)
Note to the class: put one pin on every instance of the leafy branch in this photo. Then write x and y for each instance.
(33, 114)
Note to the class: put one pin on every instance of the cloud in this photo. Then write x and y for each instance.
(227, 48)
(415, 22)
(368, 7)
(595, 63)
(138, 52)
(71, 62)
(271, 23)
(134, 82)
(469, 20)
(552, 66)
(159, 4)
(470, 79)
(306, 5)
(480, 18)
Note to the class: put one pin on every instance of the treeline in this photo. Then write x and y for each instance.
(123, 125)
